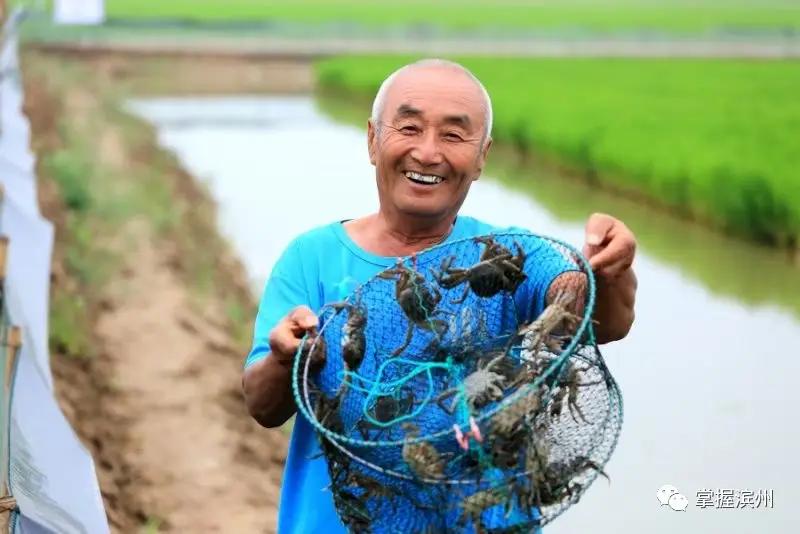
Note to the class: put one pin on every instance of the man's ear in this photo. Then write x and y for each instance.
(371, 140)
(483, 156)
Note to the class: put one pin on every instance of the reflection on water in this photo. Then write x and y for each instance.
(708, 372)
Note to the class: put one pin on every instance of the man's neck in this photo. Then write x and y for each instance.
(381, 236)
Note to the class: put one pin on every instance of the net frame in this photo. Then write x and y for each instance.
(582, 337)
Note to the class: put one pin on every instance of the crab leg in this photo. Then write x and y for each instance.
(464, 295)
(404, 346)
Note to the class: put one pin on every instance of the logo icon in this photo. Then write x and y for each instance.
(678, 502)
(669, 495)
(665, 492)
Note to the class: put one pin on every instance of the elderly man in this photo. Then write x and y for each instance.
(428, 139)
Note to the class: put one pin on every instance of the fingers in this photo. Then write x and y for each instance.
(302, 319)
(608, 266)
(610, 246)
(598, 228)
(284, 339)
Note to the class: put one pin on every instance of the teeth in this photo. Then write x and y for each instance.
(426, 178)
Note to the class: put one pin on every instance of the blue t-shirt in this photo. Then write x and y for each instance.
(325, 265)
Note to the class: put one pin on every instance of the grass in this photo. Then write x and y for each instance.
(96, 203)
(102, 193)
(601, 15)
(716, 140)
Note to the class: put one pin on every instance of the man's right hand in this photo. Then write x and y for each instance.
(285, 338)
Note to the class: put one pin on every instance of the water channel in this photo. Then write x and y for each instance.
(709, 373)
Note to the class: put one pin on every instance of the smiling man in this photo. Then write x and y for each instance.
(428, 138)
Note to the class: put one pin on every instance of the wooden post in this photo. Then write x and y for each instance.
(12, 353)
(3, 264)
(7, 502)
(7, 505)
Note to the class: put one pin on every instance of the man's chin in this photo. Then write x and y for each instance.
(421, 212)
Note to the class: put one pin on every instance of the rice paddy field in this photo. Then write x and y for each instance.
(714, 139)
(598, 16)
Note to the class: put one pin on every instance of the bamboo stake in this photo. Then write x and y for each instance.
(12, 353)
(7, 505)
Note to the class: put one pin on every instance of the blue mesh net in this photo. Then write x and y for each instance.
(444, 402)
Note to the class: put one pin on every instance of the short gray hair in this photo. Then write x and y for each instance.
(380, 98)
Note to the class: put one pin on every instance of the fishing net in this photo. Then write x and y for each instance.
(449, 396)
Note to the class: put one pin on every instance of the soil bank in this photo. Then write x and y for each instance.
(150, 317)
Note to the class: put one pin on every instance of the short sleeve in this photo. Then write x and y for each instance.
(554, 260)
(285, 289)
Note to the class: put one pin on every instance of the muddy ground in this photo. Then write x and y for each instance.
(157, 398)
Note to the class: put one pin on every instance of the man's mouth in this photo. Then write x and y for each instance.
(424, 179)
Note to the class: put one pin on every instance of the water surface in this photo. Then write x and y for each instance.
(709, 372)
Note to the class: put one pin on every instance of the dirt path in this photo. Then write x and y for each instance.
(305, 49)
(159, 405)
(168, 371)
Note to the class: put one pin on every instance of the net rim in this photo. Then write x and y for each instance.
(303, 401)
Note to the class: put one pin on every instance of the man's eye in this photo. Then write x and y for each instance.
(409, 129)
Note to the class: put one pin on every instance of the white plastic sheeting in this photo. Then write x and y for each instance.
(51, 474)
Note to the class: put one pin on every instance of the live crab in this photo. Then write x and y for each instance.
(418, 301)
(497, 270)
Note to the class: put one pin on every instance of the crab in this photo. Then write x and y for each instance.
(422, 457)
(473, 507)
(312, 354)
(386, 410)
(373, 489)
(314, 348)
(418, 301)
(326, 412)
(569, 383)
(463, 337)
(354, 341)
(497, 270)
(538, 335)
(553, 484)
(481, 387)
(353, 511)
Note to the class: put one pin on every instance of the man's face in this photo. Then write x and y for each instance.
(429, 146)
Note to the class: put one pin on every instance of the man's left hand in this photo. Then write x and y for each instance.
(610, 246)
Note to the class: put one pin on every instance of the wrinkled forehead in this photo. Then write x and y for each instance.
(436, 95)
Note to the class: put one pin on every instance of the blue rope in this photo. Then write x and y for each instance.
(379, 388)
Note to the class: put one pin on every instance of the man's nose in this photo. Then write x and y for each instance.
(427, 150)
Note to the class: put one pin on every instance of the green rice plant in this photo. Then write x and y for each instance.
(600, 15)
(714, 139)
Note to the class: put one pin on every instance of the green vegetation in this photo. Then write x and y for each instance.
(93, 211)
(601, 15)
(111, 175)
(716, 140)
(728, 267)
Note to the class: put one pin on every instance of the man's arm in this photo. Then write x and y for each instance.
(266, 380)
(613, 313)
(614, 307)
(268, 393)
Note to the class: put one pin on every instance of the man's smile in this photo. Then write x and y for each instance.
(423, 179)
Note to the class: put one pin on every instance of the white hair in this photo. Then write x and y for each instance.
(380, 98)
